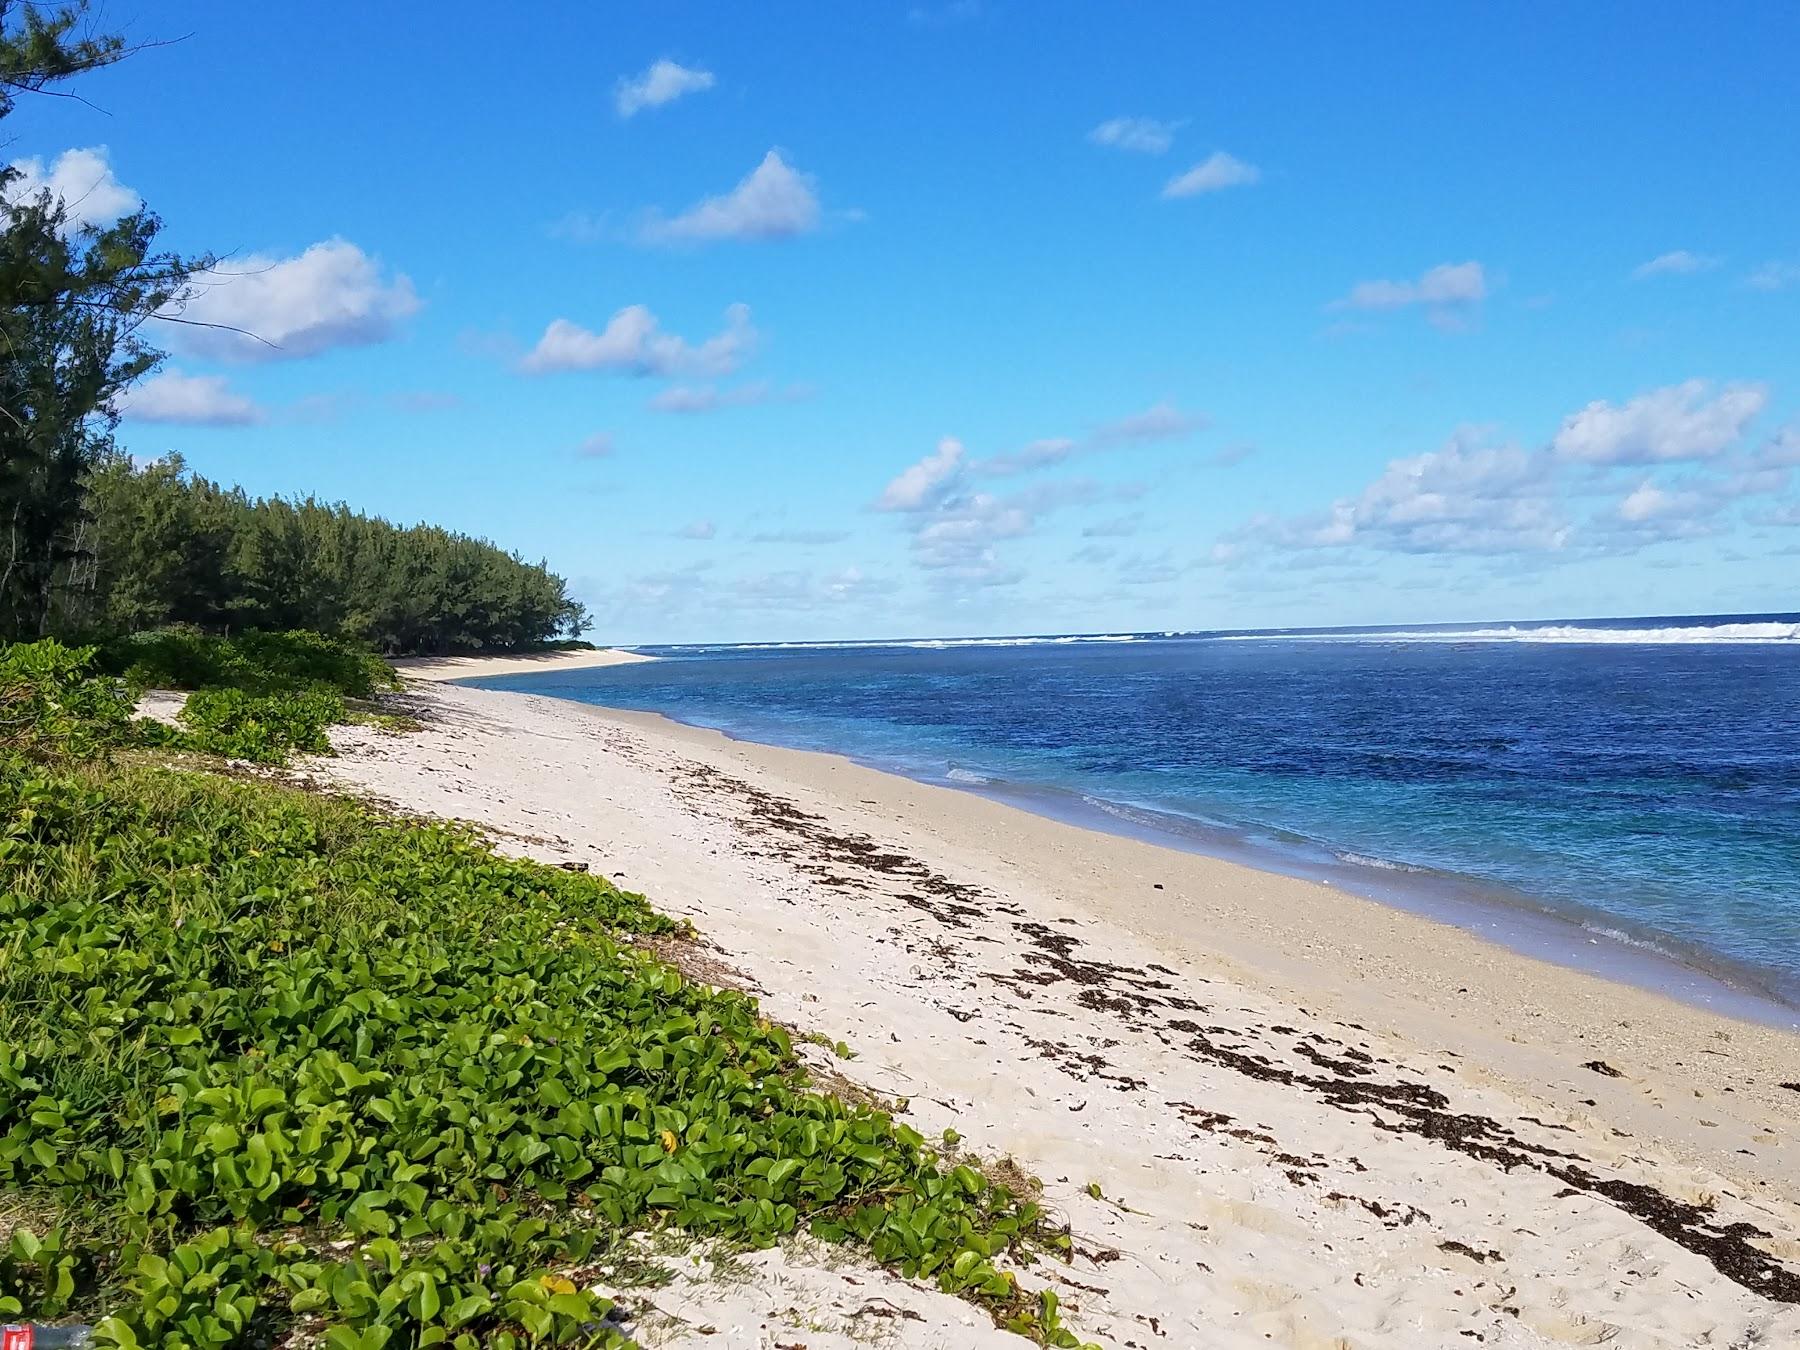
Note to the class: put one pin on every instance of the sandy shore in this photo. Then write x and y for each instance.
(475, 667)
(1311, 1120)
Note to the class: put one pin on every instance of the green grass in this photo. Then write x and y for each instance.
(272, 1064)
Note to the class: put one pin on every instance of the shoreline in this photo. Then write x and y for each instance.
(1271, 1111)
(532, 663)
(1514, 922)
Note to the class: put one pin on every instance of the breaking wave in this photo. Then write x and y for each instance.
(1711, 633)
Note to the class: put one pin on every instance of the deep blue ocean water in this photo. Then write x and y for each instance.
(1634, 784)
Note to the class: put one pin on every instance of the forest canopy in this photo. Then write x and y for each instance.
(165, 546)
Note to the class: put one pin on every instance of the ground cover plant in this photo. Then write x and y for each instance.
(274, 1064)
(256, 696)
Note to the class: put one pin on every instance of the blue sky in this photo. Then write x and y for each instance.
(813, 321)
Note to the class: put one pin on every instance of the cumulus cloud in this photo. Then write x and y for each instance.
(664, 82)
(1465, 497)
(775, 201)
(332, 295)
(697, 529)
(1774, 276)
(1650, 502)
(958, 538)
(188, 400)
(1679, 422)
(923, 484)
(634, 343)
(1212, 174)
(1446, 292)
(955, 529)
(1679, 263)
(82, 179)
(1143, 135)
(1565, 499)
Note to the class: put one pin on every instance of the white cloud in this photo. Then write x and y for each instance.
(958, 539)
(634, 343)
(1462, 498)
(923, 484)
(1678, 422)
(597, 446)
(1564, 499)
(1036, 455)
(1145, 135)
(663, 82)
(1678, 263)
(332, 295)
(775, 201)
(697, 529)
(1774, 276)
(188, 400)
(82, 179)
(1161, 421)
(1444, 290)
(1649, 502)
(1781, 451)
(1212, 174)
(705, 398)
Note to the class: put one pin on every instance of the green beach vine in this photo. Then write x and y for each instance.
(272, 1063)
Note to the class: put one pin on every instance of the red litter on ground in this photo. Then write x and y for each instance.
(16, 1338)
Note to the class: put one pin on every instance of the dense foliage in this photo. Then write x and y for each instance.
(169, 547)
(270, 1061)
(258, 663)
(75, 296)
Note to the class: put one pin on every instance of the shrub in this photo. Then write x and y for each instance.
(263, 663)
(260, 727)
(52, 701)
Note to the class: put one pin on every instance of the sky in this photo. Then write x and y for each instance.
(821, 321)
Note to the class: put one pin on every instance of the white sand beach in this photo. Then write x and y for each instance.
(475, 667)
(1270, 1112)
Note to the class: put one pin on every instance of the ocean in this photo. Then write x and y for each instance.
(1618, 794)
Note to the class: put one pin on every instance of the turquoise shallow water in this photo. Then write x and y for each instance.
(1634, 782)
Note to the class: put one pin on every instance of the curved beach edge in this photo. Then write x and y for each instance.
(438, 668)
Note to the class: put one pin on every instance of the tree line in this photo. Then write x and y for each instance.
(91, 546)
(163, 546)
